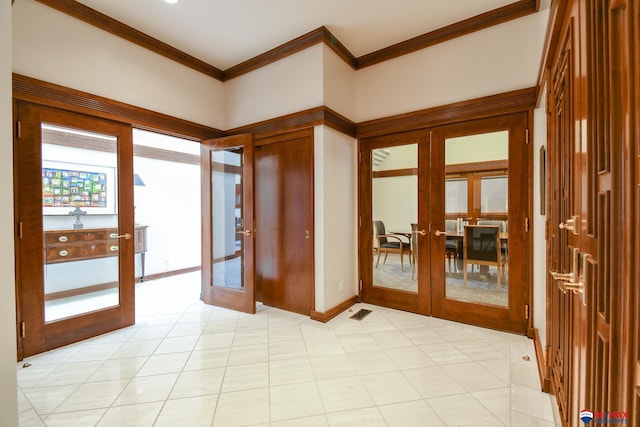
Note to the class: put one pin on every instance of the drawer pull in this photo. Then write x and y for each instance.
(63, 239)
(113, 248)
(63, 253)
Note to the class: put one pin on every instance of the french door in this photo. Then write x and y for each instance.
(74, 213)
(228, 224)
(418, 191)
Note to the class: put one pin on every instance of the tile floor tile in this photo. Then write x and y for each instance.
(186, 363)
(140, 415)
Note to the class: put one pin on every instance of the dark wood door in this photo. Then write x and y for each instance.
(479, 177)
(75, 277)
(591, 248)
(228, 225)
(284, 220)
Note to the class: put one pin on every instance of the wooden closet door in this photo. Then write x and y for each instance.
(284, 221)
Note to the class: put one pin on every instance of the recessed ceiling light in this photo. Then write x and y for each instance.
(171, 1)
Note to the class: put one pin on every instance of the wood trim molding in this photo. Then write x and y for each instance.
(479, 22)
(543, 370)
(475, 23)
(325, 316)
(319, 35)
(312, 117)
(52, 95)
(395, 172)
(494, 165)
(117, 28)
(504, 103)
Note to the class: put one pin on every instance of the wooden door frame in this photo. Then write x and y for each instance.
(244, 300)
(419, 302)
(515, 317)
(28, 217)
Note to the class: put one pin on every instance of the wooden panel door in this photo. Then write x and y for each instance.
(228, 226)
(81, 284)
(284, 220)
(491, 158)
(592, 244)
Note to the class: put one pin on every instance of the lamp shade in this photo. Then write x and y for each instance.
(137, 181)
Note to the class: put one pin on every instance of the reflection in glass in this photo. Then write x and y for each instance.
(395, 209)
(476, 246)
(226, 219)
(80, 221)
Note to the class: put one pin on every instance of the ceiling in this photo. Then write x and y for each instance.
(224, 33)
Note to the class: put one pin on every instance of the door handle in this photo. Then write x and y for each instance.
(125, 236)
(306, 234)
(422, 232)
(247, 232)
(571, 225)
(440, 233)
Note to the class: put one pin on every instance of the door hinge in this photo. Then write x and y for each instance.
(360, 287)
(527, 133)
(20, 230)
(360, 157)
(18, 129)
(526, 312)
(360, 221)
(526, 225)
(23, 330)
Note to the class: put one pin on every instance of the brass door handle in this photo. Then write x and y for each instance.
(563, 277)
(571, 225)
(421, 232)
(247, 232)
(440, 233)
(575, 287)
(125, 236)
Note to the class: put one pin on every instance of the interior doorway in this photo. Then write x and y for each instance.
(445, 222)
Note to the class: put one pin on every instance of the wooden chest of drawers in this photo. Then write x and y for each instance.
(89, 243)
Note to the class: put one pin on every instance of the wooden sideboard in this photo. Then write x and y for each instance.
(90, 243)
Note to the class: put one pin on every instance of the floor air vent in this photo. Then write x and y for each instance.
(361, 314)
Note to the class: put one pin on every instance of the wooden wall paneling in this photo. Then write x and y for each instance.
(284, 221)
(633, 210)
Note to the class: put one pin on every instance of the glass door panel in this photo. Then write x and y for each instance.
(80, 221)
(476, 268)
(226, 218)
(228, 260)
(75, 255)
(395, 208)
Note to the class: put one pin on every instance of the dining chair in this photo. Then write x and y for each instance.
(482, 247)
(389, 243)
(451, 244)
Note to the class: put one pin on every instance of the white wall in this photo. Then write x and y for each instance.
(8, 385)
(335, 216)
(495, 60)
(283, 87)
(57, 48)
(539, 243)
(339, 84)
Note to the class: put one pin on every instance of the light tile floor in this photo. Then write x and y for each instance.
(188, 364)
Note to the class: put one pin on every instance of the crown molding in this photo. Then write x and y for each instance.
(303, 119)
(488, 106)
(476, 23)
(320, 35)
(40, 92)
(117, 28)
